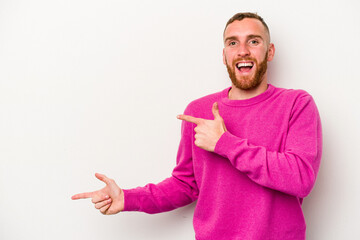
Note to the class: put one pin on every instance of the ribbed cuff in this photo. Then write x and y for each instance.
(131, 200)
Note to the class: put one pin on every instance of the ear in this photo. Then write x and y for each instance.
(271, 52)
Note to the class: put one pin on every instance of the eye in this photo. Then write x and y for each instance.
(232, 43)
(254, 42)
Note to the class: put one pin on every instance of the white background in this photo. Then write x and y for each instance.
(95, 86)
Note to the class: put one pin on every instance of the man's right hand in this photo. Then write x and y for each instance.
(109, 200)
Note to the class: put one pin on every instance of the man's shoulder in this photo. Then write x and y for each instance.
(289, 93)
(294, 98)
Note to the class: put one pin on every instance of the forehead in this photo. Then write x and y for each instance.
(245, 27)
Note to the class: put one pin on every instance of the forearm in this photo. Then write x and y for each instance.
(292, 172)
(165, 196)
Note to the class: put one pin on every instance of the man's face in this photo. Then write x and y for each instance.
(246, 53)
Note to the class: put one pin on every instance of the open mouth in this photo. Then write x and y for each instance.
(244, 66)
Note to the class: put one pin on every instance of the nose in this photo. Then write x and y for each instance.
(243, 50)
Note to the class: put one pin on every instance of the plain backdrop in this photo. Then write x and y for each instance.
(95, 86)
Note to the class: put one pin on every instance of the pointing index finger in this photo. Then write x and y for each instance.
(82, 195)
(189, 119)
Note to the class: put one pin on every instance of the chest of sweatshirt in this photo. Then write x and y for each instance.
(262, 121)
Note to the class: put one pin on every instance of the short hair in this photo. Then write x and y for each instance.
(241, 16)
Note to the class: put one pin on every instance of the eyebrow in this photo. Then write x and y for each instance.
(255, 36)
(247, 37)
(230, 38)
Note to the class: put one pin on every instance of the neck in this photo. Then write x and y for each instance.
(240, 94)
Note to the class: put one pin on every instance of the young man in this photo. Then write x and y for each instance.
(248, 154)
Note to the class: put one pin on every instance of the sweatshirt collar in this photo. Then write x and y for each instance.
(246, 102)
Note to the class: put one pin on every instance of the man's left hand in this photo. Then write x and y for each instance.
(207, 132)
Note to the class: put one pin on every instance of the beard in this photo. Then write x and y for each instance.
(248, 82)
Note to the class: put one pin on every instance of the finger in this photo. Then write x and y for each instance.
(190, 119)
(99, 198)
(82, 195)
(215, 111)
(102, 178)
(105, 208)
(100, 205)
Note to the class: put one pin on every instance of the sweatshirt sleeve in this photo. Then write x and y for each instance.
(176, 191)
(292, 171)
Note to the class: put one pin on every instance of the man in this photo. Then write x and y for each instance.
(248, 154)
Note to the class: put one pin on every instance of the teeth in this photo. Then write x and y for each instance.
(244, 64)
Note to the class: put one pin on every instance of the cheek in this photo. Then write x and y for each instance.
(227, 58)
(260, 56)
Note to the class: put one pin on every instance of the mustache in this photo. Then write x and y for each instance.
(244, 59)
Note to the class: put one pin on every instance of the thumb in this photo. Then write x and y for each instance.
(215, 111)
(102, 178)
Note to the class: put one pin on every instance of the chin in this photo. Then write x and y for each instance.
(247, 84)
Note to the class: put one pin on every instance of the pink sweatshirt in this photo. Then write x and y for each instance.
(252, 186)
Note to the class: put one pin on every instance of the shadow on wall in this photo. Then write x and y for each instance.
(314, 205)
